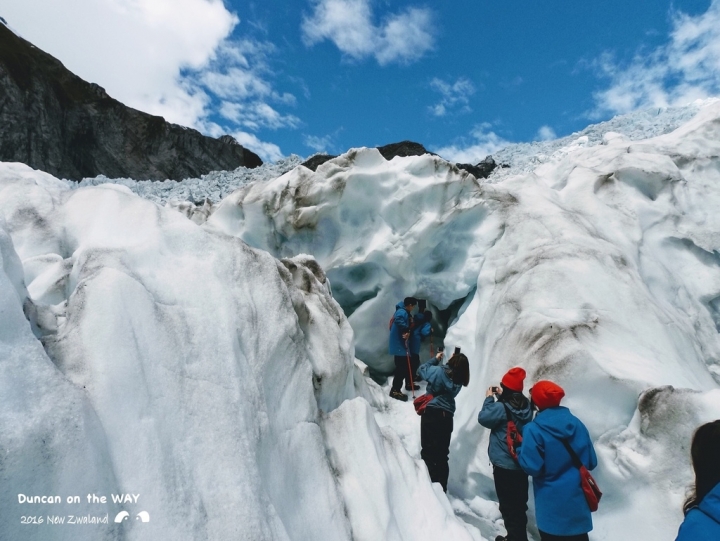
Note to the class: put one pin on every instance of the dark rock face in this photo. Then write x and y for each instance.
(52, 120)
(402, 149)
(316, 161)
(482, 169)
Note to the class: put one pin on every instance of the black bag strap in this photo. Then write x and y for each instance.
(573, 455)
(508, 413)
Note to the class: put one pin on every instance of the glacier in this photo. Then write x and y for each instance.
(224, 355)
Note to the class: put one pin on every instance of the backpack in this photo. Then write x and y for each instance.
(587, 483)
(421, 402)
(513, 438)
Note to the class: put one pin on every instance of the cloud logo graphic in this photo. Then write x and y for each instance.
(122, 515)
(144, 516)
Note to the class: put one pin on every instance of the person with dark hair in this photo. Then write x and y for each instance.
(400, 328)
(561, 510)
(511, 482)
(421, 329)
(702, 508)
(436, 425)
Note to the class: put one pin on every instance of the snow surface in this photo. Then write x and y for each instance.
(599, 269)
(206, 365)
(184, 366)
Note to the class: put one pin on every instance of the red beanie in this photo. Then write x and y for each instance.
(514, 378)
(547, 394)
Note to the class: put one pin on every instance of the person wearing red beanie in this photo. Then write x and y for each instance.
(561, 509)
(514, 379)
(546, 394)
(511, 482)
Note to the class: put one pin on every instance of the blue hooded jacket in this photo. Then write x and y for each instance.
(492, 416)
(421, 329)
(402, 322)
(703, 521)
(439, 385)
(560, 504)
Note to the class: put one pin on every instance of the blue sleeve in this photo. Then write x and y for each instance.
(422, 372)
(531, 454)
(402, 320)
(492, 414)
(425, 330)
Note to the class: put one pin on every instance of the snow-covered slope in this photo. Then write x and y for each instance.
(183, 366)
(186, 363)
(599, 269)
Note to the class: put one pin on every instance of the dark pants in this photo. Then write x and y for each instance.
(550, 537)
(401, 372)
(512, 491)
(436, 426)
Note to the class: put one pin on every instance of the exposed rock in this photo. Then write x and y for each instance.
(482, 169)
(52, 120)
(403, 148)
(317, 160)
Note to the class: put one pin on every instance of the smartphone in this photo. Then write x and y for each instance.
(457, 350)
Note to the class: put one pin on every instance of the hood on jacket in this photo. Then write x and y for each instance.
(710, 504)
(399, 305)
(516, 401)
(557, 421)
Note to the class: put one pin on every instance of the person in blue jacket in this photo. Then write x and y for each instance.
(702, 508)
(561, 509)
(436, 424)
(398, 347)
(421, 329)
(511, 482)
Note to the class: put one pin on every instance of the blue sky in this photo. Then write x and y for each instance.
(462, 77)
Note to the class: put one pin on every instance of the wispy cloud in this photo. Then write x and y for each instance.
(686, 68)
(481, 143)
(545, 133)
(268, 151)
(454, 97)
(173, 58)
(318, 144)
(399, 38)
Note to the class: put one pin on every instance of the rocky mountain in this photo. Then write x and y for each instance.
(52, 120)
(410, 148)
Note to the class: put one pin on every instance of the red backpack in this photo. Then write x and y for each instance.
(587, 483)
(513, 438)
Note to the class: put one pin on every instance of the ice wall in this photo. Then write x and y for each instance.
(599, 269)
(182, 365)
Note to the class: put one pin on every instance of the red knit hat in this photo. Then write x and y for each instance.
(514, 378)
(546, 394)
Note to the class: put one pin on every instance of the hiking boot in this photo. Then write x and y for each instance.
(397, 395)
(415, 387)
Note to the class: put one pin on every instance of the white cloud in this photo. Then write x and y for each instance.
(318, 144)
(401, 38)
(256, 115)
(269, 152)
(546, 133)
(454, 96)
(481, 144)
(172, 58)
(683, 70)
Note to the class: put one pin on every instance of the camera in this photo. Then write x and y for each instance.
(496, 390)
